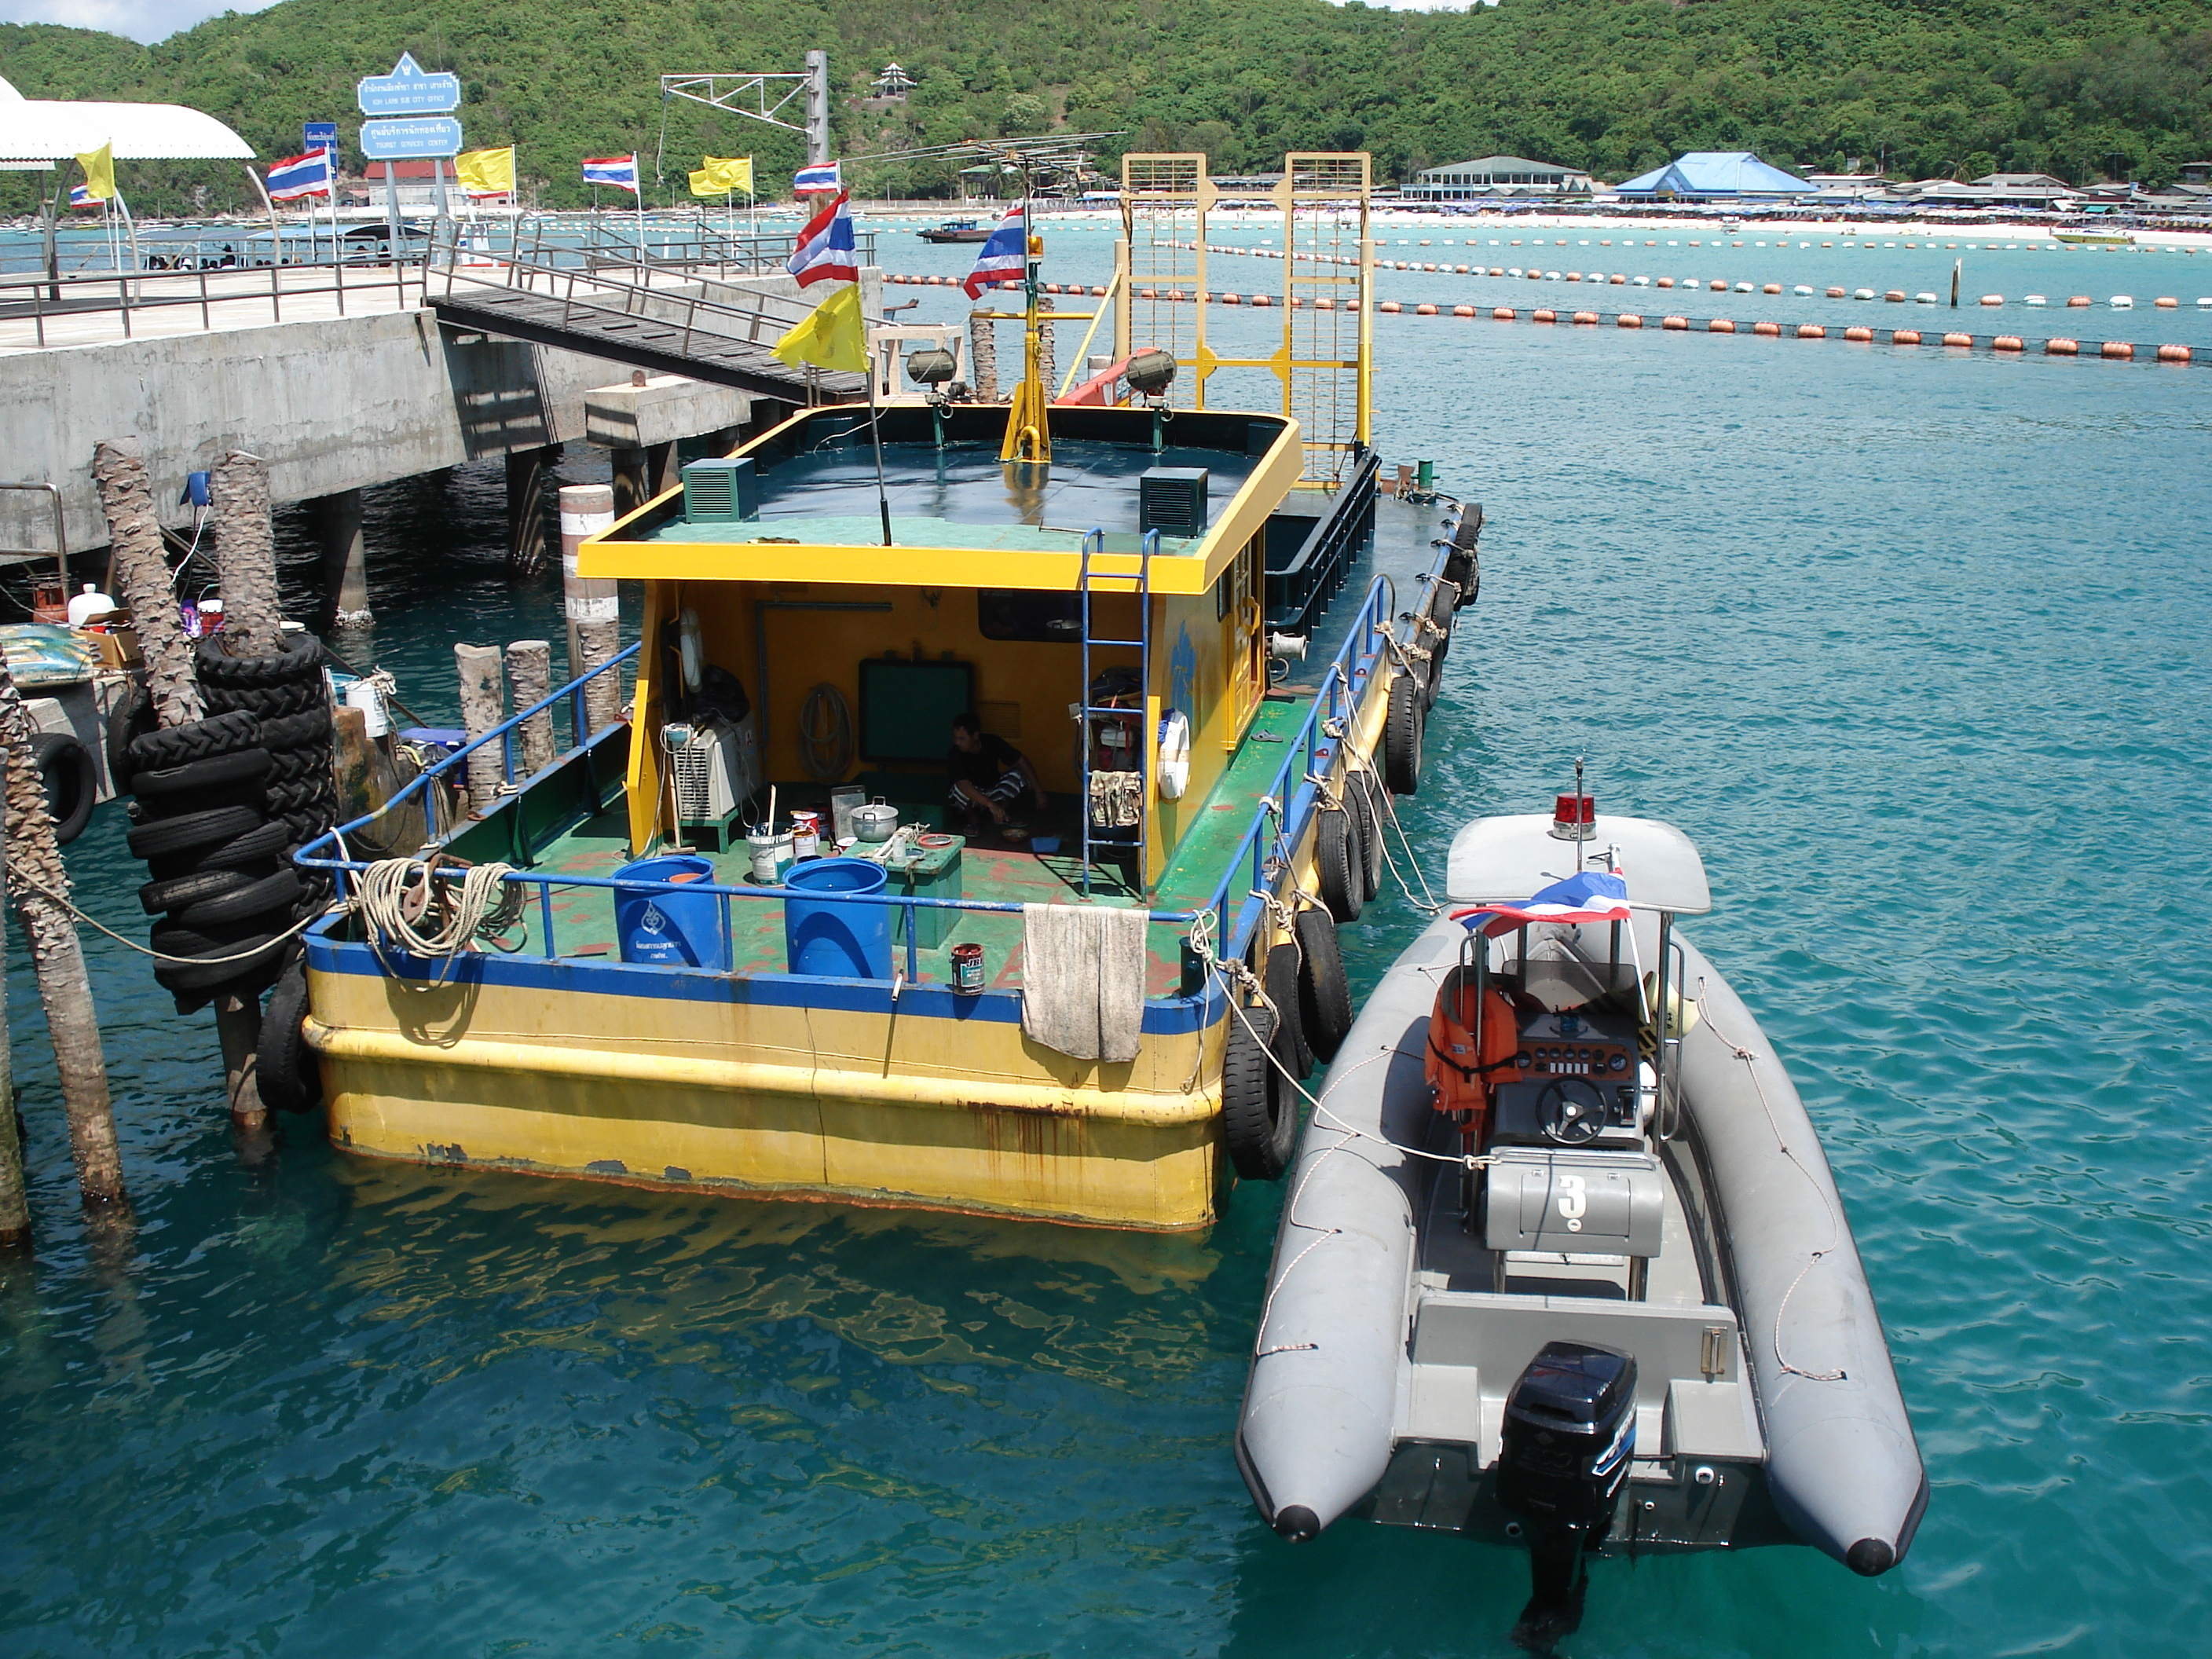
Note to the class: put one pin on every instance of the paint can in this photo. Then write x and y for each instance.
(771, 853)
(967, 968)
(805, 834)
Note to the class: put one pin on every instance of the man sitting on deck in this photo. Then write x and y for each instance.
(989, 775)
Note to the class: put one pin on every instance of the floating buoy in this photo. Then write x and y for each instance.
(2173, 353)
(1617, 278)
(1544, 316)
(1904, 336)
(1771, 331)
(1630, 319)
(1574, 275)
(1497, 270)
(1772, 288)
(1957, 339)
(1463, 310)
(1746, 288)
(1261, 300)
(1424, 311)
(2079, 300)
(1863, 336)
(2123, 303)
(1835, 294)
(1895, 296)
(2166, 302)
(2007, 342)
(1666, 282)
(2061, 348)
(2036, 300)
(1586, 319)
(1720, 325)
(1147, 294)
(1717, 286)
(1230, 300)
(1324, 305)
(1993, 299)
(1390, 306)
(1501, 314)
(1675, 323)
(1801, 288)
(1815, 332)
(1868, 293)
(2116, 348)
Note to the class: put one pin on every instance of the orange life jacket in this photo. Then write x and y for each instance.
(1459, 1078)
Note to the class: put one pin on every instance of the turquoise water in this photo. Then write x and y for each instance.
(1914, 646)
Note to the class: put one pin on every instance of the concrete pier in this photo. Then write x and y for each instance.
(527, 471)
(344, 558)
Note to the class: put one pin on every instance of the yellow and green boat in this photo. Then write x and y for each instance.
(1216, 670)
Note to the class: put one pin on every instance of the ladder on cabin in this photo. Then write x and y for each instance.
(1099, 574)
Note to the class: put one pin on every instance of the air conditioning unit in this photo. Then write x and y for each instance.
(716, 764)
(1172, 499)
(723, 490)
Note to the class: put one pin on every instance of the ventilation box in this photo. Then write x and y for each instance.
(1172, 499)
(721, 490)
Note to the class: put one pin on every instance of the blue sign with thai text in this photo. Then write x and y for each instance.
(318, 134)
(409, 90)
(409, 141)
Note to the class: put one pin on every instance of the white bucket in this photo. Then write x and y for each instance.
(770, 854)
(364, 696)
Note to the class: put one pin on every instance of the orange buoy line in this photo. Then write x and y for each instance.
(2107, 350)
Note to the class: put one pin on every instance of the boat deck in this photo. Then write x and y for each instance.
(584, 917)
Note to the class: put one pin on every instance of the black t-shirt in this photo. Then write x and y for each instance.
(987, 765)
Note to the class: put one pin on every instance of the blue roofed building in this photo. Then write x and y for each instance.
(1714, 175)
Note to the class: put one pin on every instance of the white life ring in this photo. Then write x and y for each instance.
(1174, 754)
(691, 652)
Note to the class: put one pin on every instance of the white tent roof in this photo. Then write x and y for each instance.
(52, 130)
(1502, 860)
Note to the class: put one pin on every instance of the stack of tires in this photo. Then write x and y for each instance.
(219, 807)
(1276, 1044)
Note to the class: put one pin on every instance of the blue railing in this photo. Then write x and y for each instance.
(1236, 914)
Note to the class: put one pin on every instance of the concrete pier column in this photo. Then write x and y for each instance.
(633, 479)
(525, 507)
(663, 465)
(593, 608)
(345, 558)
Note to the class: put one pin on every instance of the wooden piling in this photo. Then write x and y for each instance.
(593, 608)
(983, 357)
(143, 583)
(39, 883)
(14, 1202)
(245, 556)
(481, 700)
(530, 679)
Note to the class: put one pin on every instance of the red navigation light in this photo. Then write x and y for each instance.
(1574, 817)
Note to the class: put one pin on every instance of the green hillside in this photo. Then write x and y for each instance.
(1941, 86)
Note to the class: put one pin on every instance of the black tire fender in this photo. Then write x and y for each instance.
(183, 978)
(266, 703)
(251, 851)
(1281, 979)
(175, 893)
(309, 729)
(1338, 857)
(290, 1074)
(229, 772)
(1324, 994)
(1369, 803)
(198, 740)
(276, 892)
(72, 781)
(131, 719)
(1256, 1131)
(1401, 737)
(300, 663)
(189, 830)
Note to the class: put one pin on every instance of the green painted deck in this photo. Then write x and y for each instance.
(584, 917)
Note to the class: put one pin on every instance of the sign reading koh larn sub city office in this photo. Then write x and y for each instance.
(424, 101)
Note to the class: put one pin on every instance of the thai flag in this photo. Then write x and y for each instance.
(1593, 896)
(817, 181)
(826, 249)
(1004, 258)
(617, 171)
(301, 175)
(81, 196)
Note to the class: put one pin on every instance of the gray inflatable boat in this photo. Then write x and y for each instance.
(1547, 1273)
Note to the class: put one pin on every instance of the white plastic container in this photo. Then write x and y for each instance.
(364, 696)
(84, 606)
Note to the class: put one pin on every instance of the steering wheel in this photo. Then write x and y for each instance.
(1570, 1111)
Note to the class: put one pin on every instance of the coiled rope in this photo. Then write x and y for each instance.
(408, 907)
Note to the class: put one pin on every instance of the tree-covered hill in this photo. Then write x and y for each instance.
(1929, 87)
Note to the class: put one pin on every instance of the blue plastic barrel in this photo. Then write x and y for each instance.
(826, 936)
(670, 928)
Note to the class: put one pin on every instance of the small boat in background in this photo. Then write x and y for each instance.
(1550, 1275)
(956, 230)
(2094, 238)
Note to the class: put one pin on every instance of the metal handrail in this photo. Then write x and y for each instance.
(80, 295)
(1281, 818)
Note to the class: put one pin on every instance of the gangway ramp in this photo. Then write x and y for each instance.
(645, 317)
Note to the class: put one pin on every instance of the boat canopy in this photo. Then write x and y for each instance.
(52, 131)
(1501, 861)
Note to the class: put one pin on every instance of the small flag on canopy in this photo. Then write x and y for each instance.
(486, 172)
(823, 180)
(615, 172)
(98, 172)
(833, 335)
(1003, 257)
(81, 198)
(826, 247)
(1592, 896)
(723, 175)
(301, 175)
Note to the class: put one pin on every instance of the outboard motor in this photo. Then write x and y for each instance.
(1569, 1432)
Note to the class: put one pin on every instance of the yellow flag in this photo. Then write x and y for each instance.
(100, 173)
(723, 175)
(833, 336)
(486, 172)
